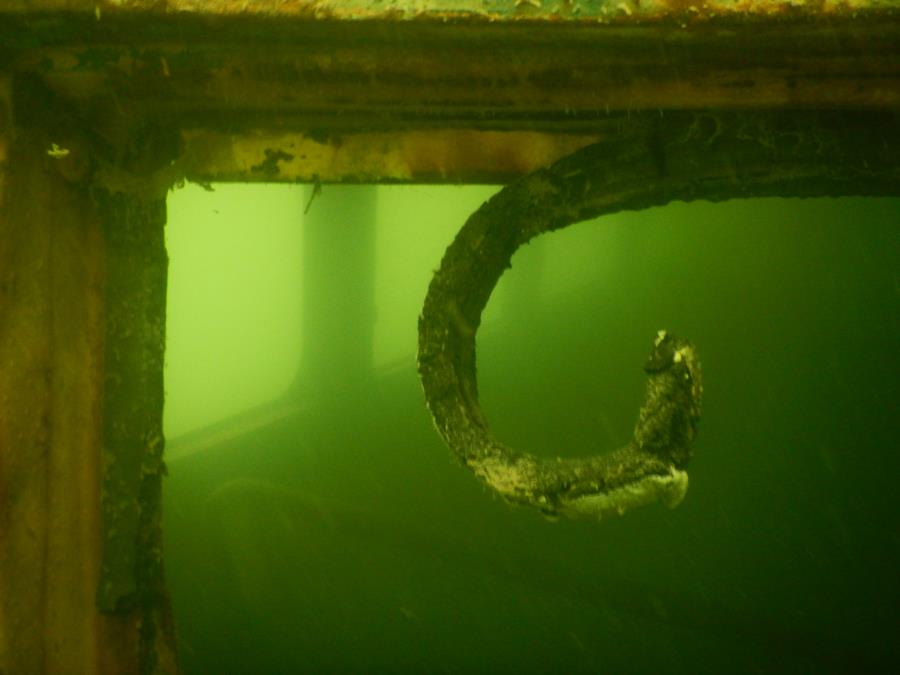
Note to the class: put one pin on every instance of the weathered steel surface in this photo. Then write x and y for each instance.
(421, 156)
(58, 367)
(362, 87)
(625, 11)
(131, 566)
(51, 377)
(685, 156)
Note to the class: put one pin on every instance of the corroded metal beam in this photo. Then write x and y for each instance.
(80, 409)
(419, 156)
(684, 12)
(650, 163)
(360, 90)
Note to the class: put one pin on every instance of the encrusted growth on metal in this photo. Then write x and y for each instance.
(329, 76)
(651, 162)
(613, 11)
(369, 157)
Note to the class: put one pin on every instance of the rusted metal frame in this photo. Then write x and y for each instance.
(389, 77)
(419, 156)
(615, 12)
(271, 95)
(80, 422)
(711, 156)
(114, 86)
(131, 571)
(51, 342)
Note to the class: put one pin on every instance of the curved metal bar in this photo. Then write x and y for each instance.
(650, 162)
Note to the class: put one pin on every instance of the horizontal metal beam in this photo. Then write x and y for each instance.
(441, 155)
(518, 11)
(355, 84)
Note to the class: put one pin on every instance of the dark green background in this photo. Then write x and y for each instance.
(348, 540)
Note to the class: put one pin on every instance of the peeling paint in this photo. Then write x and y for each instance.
(416, 156)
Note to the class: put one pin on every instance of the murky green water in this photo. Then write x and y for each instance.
(343, 538)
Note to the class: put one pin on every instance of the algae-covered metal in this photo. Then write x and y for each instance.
(651, 162)
(105, 105)
(82, 309)
(630, 11)
(360, 90)
(136, 268)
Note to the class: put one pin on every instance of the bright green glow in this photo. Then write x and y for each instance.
(233, 307)
(415, 226)
(233, 334)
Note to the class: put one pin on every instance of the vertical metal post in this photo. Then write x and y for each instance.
(51, 372)
(82, 301)
(131, 571)
(338, 311)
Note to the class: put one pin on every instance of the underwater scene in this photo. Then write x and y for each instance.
(315, 521)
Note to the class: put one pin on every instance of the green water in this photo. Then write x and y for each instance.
(344, 538)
